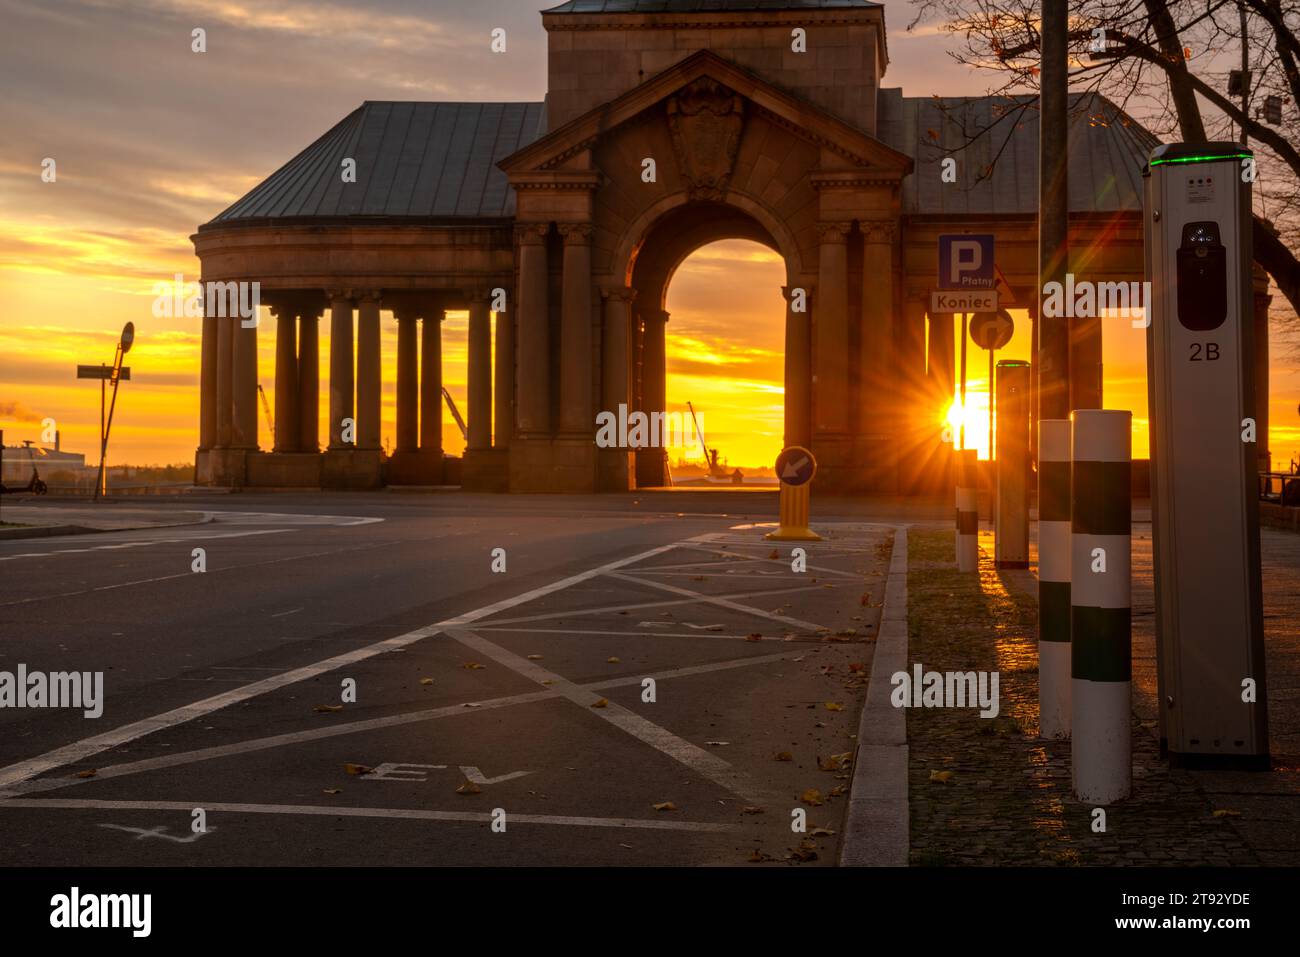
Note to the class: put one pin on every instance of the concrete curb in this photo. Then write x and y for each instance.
(877, 827)
(48, 531)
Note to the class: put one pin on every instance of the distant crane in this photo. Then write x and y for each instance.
(266, 407)
(455, 413)
(710, 455)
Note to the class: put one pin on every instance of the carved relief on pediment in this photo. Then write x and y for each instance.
(706, 120)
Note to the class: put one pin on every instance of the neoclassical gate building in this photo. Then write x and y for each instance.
(667, 124)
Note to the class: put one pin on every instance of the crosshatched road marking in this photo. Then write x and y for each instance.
(411, 814)
(79, 751)
(727, 603)
(661, 739)
(370, 724)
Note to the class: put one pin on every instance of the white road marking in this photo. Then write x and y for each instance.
(211, 571)
(724, 602)
(160, 831)
(143, 542)
(634, 634)
(615, 609)
(79, 751)
(476, 776)
(785, 561)
(285, 518)
(661, 739)
(371, 724)
(337, 810)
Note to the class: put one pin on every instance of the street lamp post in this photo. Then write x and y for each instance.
(123, 347)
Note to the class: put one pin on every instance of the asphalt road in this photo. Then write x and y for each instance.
(351, 682)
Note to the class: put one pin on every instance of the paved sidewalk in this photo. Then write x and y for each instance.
(987, 791)
(38, 521)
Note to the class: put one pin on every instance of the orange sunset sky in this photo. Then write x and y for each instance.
(151, 140)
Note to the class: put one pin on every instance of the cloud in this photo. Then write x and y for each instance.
(17, 412)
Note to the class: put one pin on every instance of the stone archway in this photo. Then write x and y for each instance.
(681, 229)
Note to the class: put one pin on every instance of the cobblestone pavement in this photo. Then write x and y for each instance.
(986, 791)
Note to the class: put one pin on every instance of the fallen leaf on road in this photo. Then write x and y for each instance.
(88, 774)
(612, 660)
(820, 832)
(758, 857)
(718, 744)
(469, 787)
(834, 706)
(603, 702)
(472, 666)
(865, 600)
(1226, 812)
(426, 681)
(783, 756)
(665, 806)
(940, 777)
(775, 554)
(800, 854)
(812, 796)
(355, 769)
(754, 636)
(333, 790)
(324, 708)
(855, 666)
(534, 657)
(752, 809)
(838, 790)
(628, 846)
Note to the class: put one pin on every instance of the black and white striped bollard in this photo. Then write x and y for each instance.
(1101, 603)
(968, 517)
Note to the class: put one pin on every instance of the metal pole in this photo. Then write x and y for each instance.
(963, 380)
(1245, 73)
(2, 461)
(101, 489)
(991, 406)
(1053, 238)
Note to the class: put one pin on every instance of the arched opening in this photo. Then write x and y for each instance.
(724, 352)
(725, 346)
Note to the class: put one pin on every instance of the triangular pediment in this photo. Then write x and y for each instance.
(706, 69)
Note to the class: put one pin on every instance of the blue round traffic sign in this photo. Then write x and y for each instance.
(795, 466)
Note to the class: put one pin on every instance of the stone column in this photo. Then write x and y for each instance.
(830, 393)
(654, 366)
(225, 381)
(880, 400)
(431, 379)
(1261, 302)
(286, 378)
(533, 397)
(208, 384)
(576, 417)
(616, 358)
(941, 362)
(408, 383)
(244, 386)
(479, 373)
(309, 380)
(341, 376)
(368, 371)
(798, 366)
(503, 423)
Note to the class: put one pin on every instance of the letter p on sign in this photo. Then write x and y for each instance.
(965, 261)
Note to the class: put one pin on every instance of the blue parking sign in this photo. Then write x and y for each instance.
(965, 261)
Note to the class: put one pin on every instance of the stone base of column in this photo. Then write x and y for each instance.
(651, 468)
(202, 466)
(351, 468)
(876, 456)
(285, 470)
(616, 470)
(553, 465)
(416, 468)
(485, 470)
(225, 468)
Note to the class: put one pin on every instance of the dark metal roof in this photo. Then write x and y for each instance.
(414, 160)
(702, 6)
(1107, 152)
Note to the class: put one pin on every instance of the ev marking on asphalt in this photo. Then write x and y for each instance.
(406, 771)
(160, 832)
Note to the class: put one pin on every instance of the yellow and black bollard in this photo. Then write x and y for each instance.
(795, 467)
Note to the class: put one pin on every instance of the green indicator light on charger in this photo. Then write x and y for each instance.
(1202, 159)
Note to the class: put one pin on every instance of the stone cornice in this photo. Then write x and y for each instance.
(567, 180)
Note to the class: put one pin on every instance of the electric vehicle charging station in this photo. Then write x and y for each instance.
(1011, 514)
(1205, 510)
